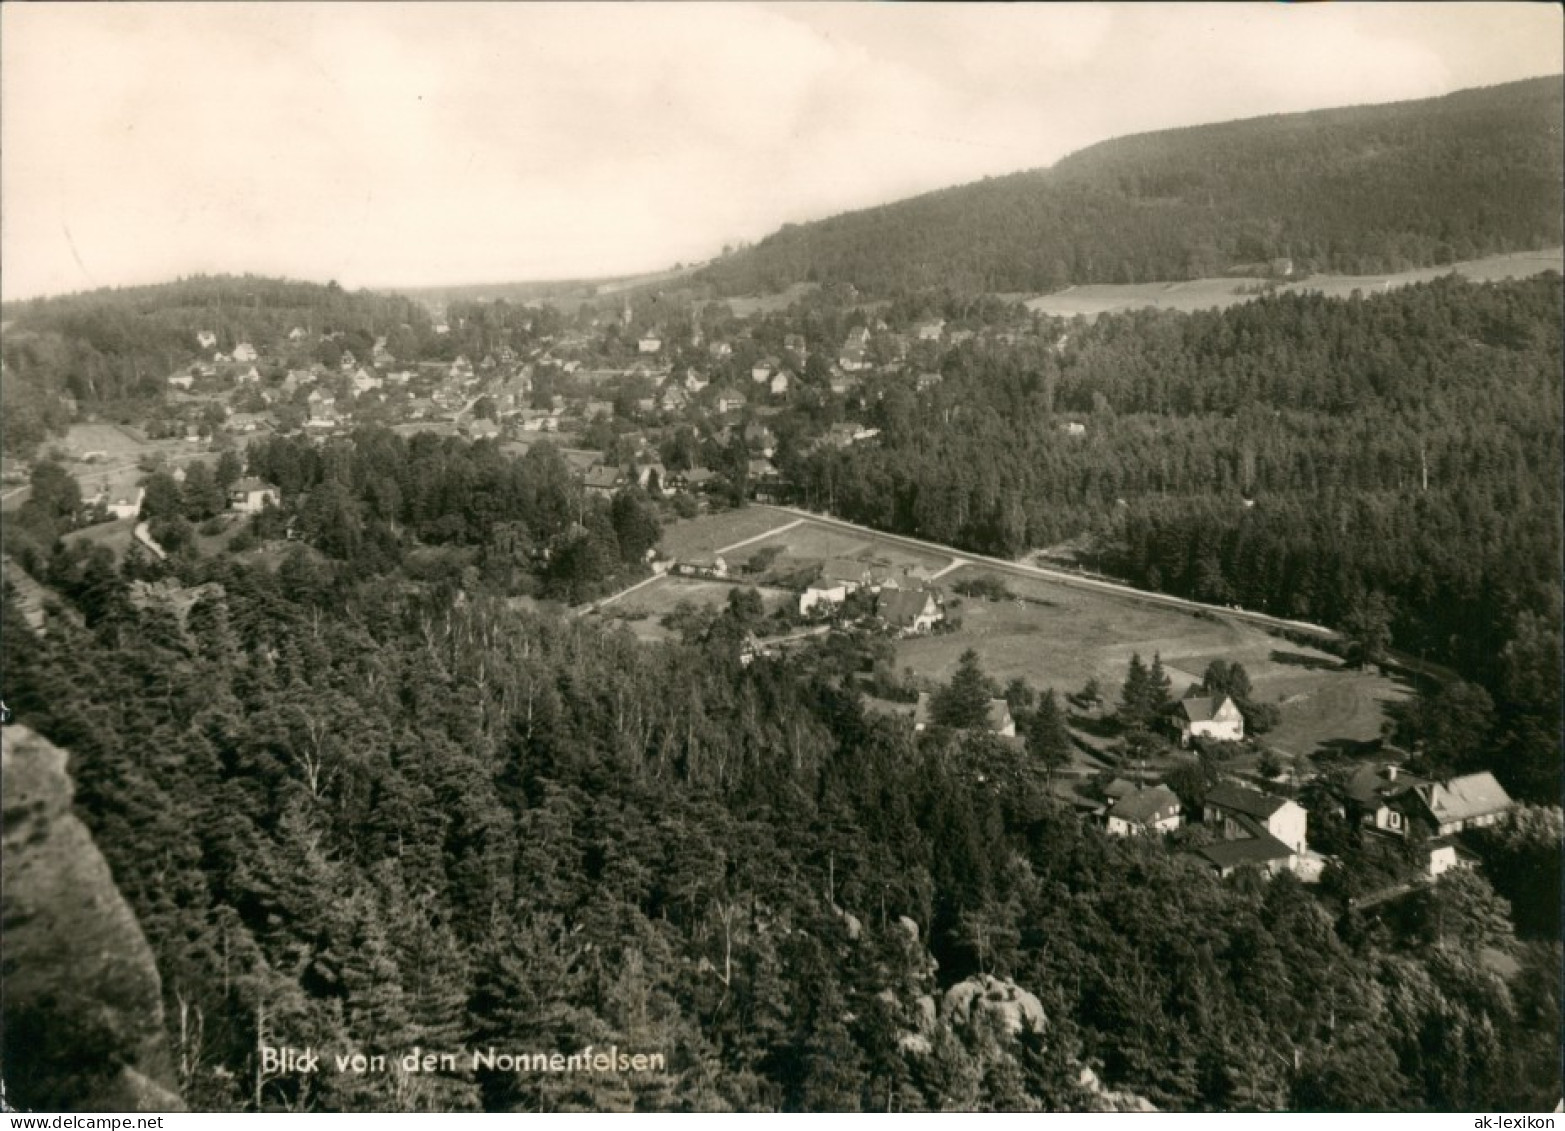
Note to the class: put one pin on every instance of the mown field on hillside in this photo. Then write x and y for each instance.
(1219, 293)
(711, 532)
(1058, 636)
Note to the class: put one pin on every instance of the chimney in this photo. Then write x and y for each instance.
(1391, 772)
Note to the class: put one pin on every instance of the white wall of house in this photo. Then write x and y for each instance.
(817, 595)
(1289, 825)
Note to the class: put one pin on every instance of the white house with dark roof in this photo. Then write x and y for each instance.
(908, 610)
(1238, 812)
(1265, 852)
(837, 578)
(1258, 830)
(1472, 801)
(1218, 719)
(250, 496)
(1153, 810)
(603, 479)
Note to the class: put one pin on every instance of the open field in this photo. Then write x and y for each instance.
(115, 442)
(810, 542)
(116, 535)
(1217, 293)
(1062, 636)
(710, 532)
(642, 610)
(744, 306)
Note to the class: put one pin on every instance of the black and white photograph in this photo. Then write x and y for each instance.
(781, 557)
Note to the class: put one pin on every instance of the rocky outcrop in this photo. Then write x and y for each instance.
(985, 996)
(172, 597)
(1104, 1099)
(83, 1015)
(974, 1010)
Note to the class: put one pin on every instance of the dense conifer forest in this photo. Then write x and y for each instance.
(1356, 191)
(364, 817)
(1394, 459)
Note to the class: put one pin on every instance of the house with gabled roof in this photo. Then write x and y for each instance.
(849, 572)
(1153, 810)
(908, 611)
(1472, 801)
(603, 479)
(1215, 718)
(1257, 830)
(836, 579)
(853, 359)
(730, 400)
(1372, 794)
(1265, 852)
(1237, 811)
(251, 495)
(998, 719)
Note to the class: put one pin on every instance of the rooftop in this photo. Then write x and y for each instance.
(902, 606)
(1146, 804)
(1474, 795)
(1201, 708)
(1249, 850)
(1250, 802)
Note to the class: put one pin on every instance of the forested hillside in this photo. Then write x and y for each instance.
(1360, 190)
(362, 817)
(1390, 463)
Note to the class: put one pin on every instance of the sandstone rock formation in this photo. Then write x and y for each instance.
(83, 1014)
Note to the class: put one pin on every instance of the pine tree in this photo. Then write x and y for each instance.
(963, 704)
(1048, 740)
(1159, 686)
(1135, 697)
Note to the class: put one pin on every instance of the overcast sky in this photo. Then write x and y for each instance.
(383, 144)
